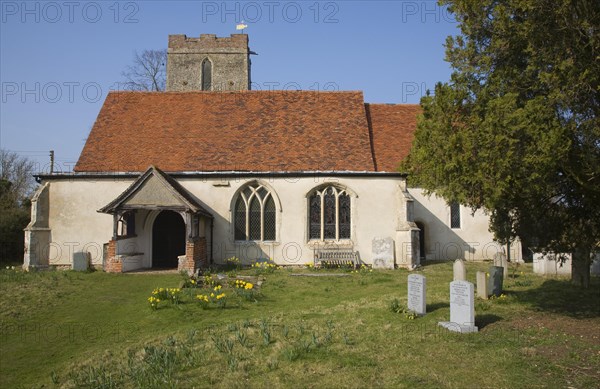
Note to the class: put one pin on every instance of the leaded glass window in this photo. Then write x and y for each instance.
(206, 75)
(454, 215)
(344, 216)
(255, 214)
(254, 219)
(329, 219)
(329, 214)
(240, 219)
(269, 219)
(315, 216)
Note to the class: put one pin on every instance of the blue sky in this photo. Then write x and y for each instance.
(59, 59)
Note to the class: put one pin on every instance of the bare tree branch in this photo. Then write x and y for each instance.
(147, 73)
(18, 171)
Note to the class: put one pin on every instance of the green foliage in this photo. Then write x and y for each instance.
(516, 130)
(14, 217)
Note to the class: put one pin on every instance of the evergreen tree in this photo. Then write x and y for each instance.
(516, 131)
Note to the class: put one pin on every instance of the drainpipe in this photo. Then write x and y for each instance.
(212, 238)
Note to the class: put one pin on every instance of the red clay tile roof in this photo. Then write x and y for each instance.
(393, 129)
(246, 131)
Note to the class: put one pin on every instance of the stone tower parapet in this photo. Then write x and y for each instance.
(228, 63)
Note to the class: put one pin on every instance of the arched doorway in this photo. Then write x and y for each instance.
(421, 240)
(168, 239)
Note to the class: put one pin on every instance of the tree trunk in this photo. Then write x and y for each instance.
(580, 268)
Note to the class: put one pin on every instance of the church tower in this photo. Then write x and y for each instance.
(208, 63)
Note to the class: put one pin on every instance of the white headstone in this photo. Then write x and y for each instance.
(416, 294)
(462, 308)
(460, 271)
(482, 289)
(383, 253)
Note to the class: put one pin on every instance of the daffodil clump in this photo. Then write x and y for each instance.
(190, 282)
(244, 289)
(264, 267)
(233, 262)
(209, 280)
(501, 299)
(172, 295)
(153, 301)
(214, 298)
(363, 269)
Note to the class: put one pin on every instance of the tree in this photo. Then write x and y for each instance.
(147, 73)
(18, 172)
(516, 131)
(16, 184)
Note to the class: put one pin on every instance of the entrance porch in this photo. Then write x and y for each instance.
(157, 224)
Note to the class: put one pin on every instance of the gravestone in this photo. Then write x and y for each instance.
(495, 281)
(81, 261)
(501, 260)
(462, 308)
(460, 271)
(482, 288)
(383, 253)
(416, 294)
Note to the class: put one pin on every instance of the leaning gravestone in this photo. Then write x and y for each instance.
(501, 260)
(482, 288)
(416, 294)
(462, 308)
(496, 278)
(383, 253)
(81, 261)
(460, 271)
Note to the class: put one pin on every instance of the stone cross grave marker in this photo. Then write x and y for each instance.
(462, 308)
(383, 253)
(416, 294)
(460, 271)
(495, 281)
(482, 288)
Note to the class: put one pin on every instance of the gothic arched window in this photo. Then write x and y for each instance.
(329, 214)
(206, 74)
(255, 214)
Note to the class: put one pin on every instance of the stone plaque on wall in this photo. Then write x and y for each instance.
(383, 253)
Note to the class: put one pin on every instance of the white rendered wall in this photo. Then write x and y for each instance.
(74, 223)
(472, 241)
(76, 226)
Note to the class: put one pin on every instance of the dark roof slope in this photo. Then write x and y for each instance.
(247, 131)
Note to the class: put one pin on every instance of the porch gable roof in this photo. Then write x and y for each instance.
(145, 193)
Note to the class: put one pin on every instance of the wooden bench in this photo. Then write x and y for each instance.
(336, 257)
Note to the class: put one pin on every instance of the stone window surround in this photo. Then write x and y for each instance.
(334, 243)
(255, 186)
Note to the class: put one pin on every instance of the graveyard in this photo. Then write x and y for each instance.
(303, 327)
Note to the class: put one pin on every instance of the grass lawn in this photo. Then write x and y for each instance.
(69, 330)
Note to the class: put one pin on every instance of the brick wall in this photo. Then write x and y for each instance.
(112, 264)
(195, 256)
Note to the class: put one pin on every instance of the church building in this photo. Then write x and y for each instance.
(210, 170)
